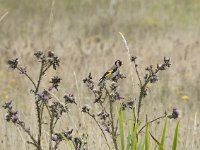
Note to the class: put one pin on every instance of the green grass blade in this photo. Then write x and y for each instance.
(141, 145)
(128, 144)
(163, 136)
(121, 127)
(134, 142)
(147, 136)
(134, 137)
(175, 140)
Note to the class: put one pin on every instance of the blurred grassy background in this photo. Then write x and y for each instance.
(85, 35)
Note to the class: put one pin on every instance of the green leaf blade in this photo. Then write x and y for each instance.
(147, 136)
(121, 127)
(163, 135)
(175, 140)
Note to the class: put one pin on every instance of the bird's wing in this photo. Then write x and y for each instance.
(109, 72)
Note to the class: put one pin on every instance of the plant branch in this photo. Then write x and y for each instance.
(136, 70)
(40, 77)
(161, 117)
(51, 126)
(34, 142)
(38, 107)
(112, 125)
(25, 73)
(99, 128)
(154, 138)
(43, 72)
(50, 132)
(142, 92)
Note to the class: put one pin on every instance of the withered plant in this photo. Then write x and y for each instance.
(45, 99)
(108, 98)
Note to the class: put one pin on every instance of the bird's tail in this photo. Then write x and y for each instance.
(100, 81)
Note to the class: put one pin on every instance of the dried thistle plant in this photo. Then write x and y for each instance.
(106, 96)
(43, 99)
(150, 77)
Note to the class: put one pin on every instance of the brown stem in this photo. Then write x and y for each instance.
(56, 145)
(40, 77)
(50, 133)
(34, 142)
(154, 138)
(46, 69)
(142, 90)
(104, 135)
(136, 70)
(54, 124)
(38, 107)
(114, 137)
(51, 126)
(25, 73)
(42, 109)
(39, 124)
(161, 117)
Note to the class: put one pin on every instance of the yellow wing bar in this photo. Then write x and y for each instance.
(109, 73)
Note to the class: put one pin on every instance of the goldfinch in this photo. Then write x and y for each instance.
(112, 72)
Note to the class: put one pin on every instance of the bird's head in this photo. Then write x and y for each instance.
(118, 63)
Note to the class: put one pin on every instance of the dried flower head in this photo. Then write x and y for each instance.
(68, 134)
(133, 58)
(14, 117)
(174, 115)
(128, 104)
(98, 95)
(11, 115)
(167, 60)
(69, 98)
(118, 76)
(77, 142)
(13, 63)
(56, 137)
(55, 82)
(53, 60)
(57, 109)
(86, 109)
(7, 105)
(39, 55)
(153, 78)
(103, 115)
(88, 81)
(43, 96)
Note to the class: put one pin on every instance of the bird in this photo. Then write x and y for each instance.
(112, 72)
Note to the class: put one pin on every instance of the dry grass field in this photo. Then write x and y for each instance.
(85, 35)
